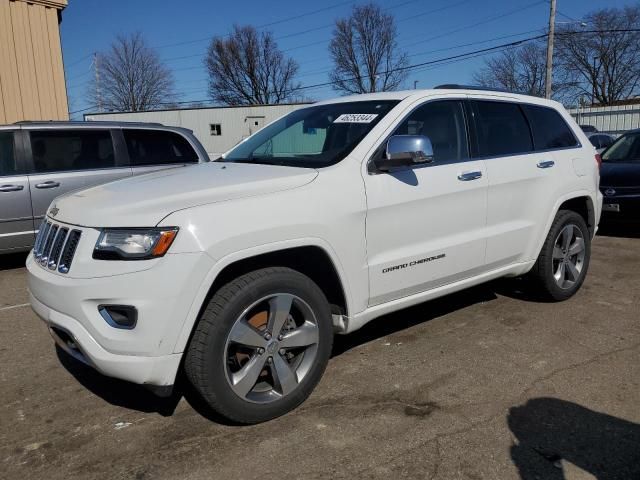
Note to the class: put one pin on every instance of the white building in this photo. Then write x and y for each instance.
(217, 128)
(615, 119)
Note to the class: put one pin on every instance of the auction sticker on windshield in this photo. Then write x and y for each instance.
(356, 118)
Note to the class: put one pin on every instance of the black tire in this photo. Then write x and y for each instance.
(204, 365)
(542, 273)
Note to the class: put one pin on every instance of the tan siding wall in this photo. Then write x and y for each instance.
(32, 83)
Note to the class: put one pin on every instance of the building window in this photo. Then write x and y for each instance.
(215, 129)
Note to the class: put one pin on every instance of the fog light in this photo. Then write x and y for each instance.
(119, 316)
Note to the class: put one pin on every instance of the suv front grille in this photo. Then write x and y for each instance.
(55, 246)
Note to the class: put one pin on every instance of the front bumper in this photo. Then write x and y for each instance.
(163, 296)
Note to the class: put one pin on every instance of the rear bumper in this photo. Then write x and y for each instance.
(621, 208)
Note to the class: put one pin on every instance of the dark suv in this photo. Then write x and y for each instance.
(42, 160)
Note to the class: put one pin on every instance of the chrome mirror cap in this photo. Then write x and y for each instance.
(407, 150)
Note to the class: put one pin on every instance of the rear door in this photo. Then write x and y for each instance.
(524, 181)
(16, 218)
(63, 160)
(151, 150)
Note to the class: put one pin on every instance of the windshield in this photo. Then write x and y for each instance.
(625, 149)
(312, 137)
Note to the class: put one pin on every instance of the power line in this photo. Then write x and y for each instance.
(431, 11)
(270, 24)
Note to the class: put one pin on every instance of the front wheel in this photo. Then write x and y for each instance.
(563, 262)
(261, 345)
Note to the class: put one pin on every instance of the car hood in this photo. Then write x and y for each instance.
(619, 174)
(144, 200)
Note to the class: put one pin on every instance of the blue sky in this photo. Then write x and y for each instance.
(427, 30)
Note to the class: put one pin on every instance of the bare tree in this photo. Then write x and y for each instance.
(365, 52)
(603, 60)
(519, 69)
(130, 77)
(248, 68)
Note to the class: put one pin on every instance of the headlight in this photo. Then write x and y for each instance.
(134, 243)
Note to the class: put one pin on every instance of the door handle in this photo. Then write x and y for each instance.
(546, 164)
(468, 176)
(11, 188)
(49, 184)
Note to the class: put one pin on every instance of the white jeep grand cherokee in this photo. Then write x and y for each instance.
(238, 272)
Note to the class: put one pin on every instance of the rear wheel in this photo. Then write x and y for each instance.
(564, 259)
(261, 345)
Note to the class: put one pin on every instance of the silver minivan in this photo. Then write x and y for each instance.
(42, 160)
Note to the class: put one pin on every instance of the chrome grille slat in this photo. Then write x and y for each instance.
(56, 249)
(48, 244)
(55, 246)
(69, 250)
(42, 235)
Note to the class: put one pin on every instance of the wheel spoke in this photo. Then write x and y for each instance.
(572, 272)
(244, 334)
(279, 309)
(567, 236)
(245, 379)
(557, 253)
(560, 274)
(284, 377)
(303, 336)
(577, 246)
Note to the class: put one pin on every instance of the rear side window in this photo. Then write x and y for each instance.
(549, 129)
(155, 147)
(443, 122)
(501, 128)
(64, 150)
(8, 158)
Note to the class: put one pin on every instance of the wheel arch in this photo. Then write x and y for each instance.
(580, 202)
(312, 258)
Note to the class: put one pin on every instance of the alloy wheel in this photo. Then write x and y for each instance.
(271, 347)
(568, 256)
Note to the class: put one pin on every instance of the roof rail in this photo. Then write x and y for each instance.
(88, 122)
(455, 86)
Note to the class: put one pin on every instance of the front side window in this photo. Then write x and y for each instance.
(8, 160)
(624, 149)
(312, 137)
(157, 147)
(443, 122)
(550, 131)
(502, 129)
(64, 150)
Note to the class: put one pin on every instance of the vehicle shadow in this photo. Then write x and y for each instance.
(621, 229)
(409, 317)
(12, 261)
(549, 431)
(136, 397)
(117, 392)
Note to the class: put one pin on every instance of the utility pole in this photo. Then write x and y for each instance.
(550, 38)
(96, 66)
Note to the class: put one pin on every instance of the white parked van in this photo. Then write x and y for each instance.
(238, 272)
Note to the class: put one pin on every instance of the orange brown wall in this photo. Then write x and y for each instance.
(32, 84)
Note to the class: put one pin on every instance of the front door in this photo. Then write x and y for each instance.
(426, 225)
(16, 219)
(65, 160)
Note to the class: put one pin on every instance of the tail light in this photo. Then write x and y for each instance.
(598, 160)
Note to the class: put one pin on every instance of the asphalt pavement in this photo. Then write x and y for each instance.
(488, 383)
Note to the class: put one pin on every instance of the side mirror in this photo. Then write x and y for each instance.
(406, 151)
